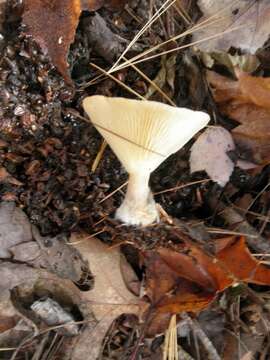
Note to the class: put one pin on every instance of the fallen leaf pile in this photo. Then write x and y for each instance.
(190, 280)
(53, 23)
(246, 101)
(176, 281)
(185, 278)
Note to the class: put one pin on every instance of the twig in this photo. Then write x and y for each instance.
(197, 330)
(233, 218)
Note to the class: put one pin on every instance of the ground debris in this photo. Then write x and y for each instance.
(53, 314)
(110, 297)
(53, 25)
(106, 43)
(13, 275)
(246, 101)
(48, 147)
(14, 228)
(249, 19)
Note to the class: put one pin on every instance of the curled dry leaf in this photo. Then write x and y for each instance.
(250, 19)
(53, 23)
(210, 153)
(108, 299)
(246, 101)
(235, 255)
(189, 280)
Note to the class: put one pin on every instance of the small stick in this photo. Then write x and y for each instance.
(254, 240)
(99, 156)
(233, 218)
(197, 330)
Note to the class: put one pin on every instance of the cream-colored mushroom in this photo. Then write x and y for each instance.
(142, 134)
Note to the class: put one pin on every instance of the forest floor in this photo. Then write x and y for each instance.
(58, 186)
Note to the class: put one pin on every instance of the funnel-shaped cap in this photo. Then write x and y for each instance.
(143, 133)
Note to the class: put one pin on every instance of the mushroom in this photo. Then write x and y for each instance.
(142, 134)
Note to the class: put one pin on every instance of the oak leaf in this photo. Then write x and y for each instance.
(110, 296)
(246, 101)
(189, 280)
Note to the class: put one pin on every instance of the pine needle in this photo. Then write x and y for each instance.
(170, 351)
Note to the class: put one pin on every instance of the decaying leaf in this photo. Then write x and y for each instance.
(165, 75)
(246, 101)
(8, 316)
(249, 17)
(210, 153)
(56, 253)
(12, 274)
(246, 62)
(52, 23)
(14, 228)
(197, 90)
(22, 242)
(109, 298)
(189, 280)
(107, 44)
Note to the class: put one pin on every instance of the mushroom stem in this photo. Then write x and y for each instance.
(138, 207)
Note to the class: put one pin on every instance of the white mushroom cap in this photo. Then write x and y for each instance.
(143, 133)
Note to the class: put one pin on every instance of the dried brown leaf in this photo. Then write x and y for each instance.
(247, 62)
(246, 101)
(109, 298)
(189, 280)
(53, 23)
(8, 316)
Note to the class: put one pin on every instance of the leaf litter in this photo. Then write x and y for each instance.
(48, 151)
(245, 100)
(110, 297)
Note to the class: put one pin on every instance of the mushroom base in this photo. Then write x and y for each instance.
(133, 213)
